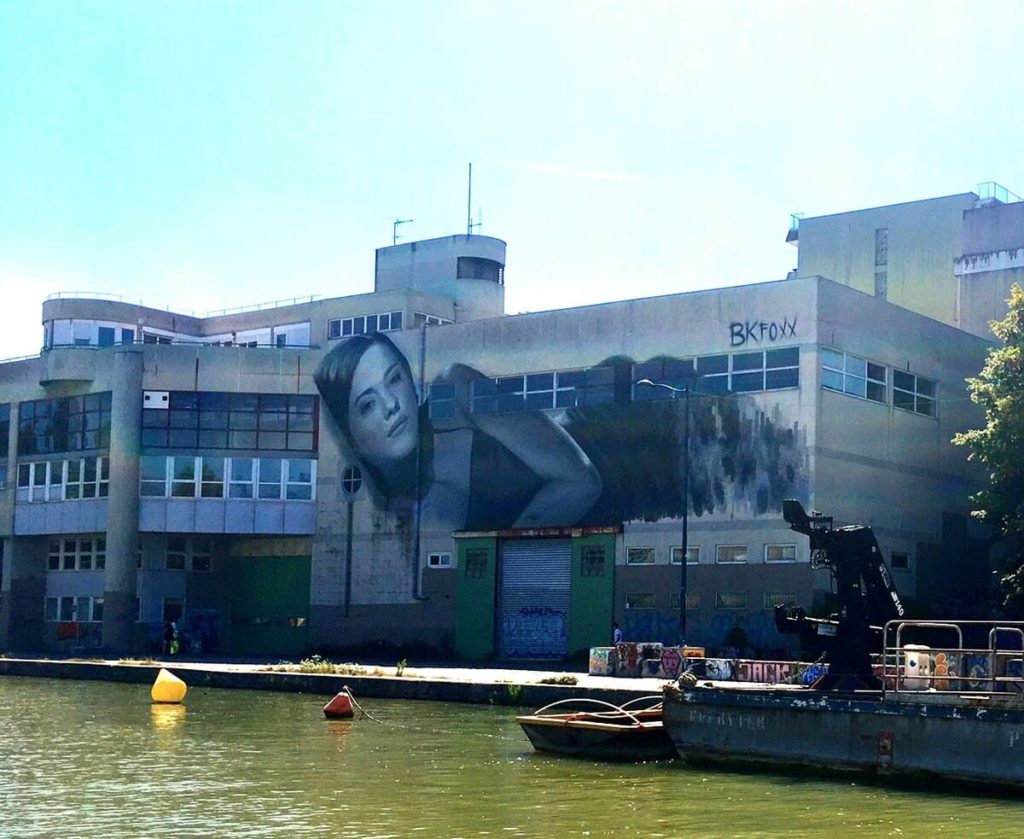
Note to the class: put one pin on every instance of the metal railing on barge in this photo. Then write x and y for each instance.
(949, 667)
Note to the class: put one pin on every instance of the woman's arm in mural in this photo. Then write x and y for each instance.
(570, 485)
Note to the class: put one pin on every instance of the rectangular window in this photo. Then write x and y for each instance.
(913, 393)
(183, 477)
(780, 553)
(730, 554)
(639, 600)
(692, 554)
(380, 322)
(639, 556)
(439, 560)
(773, 599)
(77, 554)
(153, 470)
(177, 554)
(731, 600)
(241, 485)
(852, 375)
(442, 401)
(592, 561)
(70, 424)
(692, 601)
(475, 562)
(201, 553)
(900, 561)
(213, 420)
(269, 478)
(300, 480)
(212, 477)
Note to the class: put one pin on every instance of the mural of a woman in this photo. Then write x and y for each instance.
(484, 472)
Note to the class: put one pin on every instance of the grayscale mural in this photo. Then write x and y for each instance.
(472, 461)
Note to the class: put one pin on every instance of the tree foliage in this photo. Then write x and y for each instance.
(999, 446)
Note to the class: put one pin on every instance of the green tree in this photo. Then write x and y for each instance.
(999, 446)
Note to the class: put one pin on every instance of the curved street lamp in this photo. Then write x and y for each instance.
(686, 496)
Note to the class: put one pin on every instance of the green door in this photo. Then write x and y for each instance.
(269, 605)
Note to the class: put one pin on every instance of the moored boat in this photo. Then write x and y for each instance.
(592, 728)
(970, 731)
(937, 709)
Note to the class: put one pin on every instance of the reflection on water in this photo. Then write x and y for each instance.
(95, 759)
(166, 716)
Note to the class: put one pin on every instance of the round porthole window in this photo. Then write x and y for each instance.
(351, 480)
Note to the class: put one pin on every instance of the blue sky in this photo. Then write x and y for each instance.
(202, 155)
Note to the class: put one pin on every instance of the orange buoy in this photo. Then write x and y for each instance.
(168, 688)
(340, 707)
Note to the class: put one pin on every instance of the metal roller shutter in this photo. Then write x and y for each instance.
(533, 600)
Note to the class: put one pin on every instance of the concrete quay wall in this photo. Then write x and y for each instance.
(518, 688)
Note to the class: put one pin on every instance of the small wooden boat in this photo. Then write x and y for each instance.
(597, 729)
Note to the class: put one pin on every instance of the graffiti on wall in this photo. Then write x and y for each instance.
(587, 464)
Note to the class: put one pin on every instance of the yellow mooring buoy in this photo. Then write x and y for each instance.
(168, 688)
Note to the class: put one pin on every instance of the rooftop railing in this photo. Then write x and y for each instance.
(991, 191)
(234, 310)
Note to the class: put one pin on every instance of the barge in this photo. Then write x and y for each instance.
(947, 707)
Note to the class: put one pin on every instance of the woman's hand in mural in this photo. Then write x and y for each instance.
(570, 483)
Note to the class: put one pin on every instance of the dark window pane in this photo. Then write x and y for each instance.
(242, 440)
(789, 357)
(182, 439)
(184, 399)
(300, 441)
(876, 392)
(925, 387)
(708, 364)
(538, 401)
(272, 440)
(746, 382)
(903, 400)
(571, 378)
(542, 381)
(484, 387)
(156, 437)
(713, 384)
(396, 320)
(775, 379)
(876, 372)
(748, 361)
(508, 402)
(904, 381)
(213, 439)
(510, 384)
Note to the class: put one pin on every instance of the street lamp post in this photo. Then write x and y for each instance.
(686, 496)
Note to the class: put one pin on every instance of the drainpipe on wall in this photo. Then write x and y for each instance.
(417, 594)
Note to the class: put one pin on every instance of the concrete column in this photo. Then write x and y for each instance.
(7, 498)
(123, 501)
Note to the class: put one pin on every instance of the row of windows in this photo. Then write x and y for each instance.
(81, 609)
(77, 554)
(64, 480)
(208, 420)
(714, 374)
(724, 554)
(724, 600)
(419, 319)
(364, 324)
(269, 478)
(5, 428)
(857, 376)
(71, 424)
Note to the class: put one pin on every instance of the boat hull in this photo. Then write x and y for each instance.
(928, 737)
(649, 742)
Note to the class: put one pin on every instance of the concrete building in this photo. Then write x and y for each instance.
(277, 480)
(952, 258)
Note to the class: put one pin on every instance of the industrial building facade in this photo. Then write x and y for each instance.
(412, 466)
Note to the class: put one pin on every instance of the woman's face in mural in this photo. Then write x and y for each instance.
(382, 408)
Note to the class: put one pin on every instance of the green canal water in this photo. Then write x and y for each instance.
(98, 760)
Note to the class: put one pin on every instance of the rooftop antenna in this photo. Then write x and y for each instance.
(394, 228)
(469, 203)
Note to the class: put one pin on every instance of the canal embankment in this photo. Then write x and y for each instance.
(475, 685)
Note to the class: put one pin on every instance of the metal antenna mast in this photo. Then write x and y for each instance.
(394, 228)
(469, 205)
